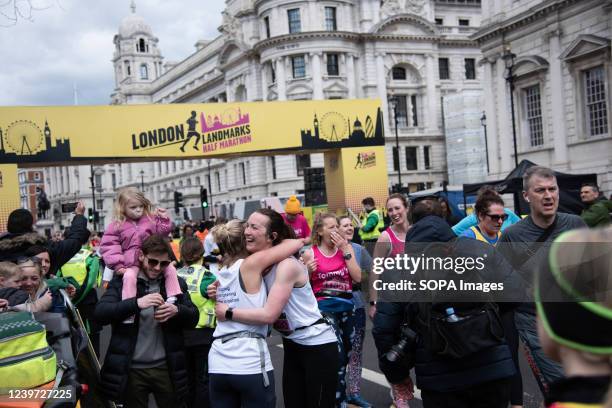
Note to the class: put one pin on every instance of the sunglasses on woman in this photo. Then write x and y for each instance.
(154, 262)
(497, 217)
(26, 259)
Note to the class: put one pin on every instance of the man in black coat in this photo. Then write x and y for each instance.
(147, 355)
(480, 379)
(20, 236)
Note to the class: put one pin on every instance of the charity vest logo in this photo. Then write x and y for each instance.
(217, 132)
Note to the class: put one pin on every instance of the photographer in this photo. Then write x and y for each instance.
(454, 369)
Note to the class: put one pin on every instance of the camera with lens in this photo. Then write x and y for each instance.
(407, 342)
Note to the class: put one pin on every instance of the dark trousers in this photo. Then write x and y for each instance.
(492, 394)
(145, 381)
(310, 375)
(512, 338)
(197, 366)
(242, 391)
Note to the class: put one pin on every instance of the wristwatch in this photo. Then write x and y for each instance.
(348, 256)
(229, 313)
(372, 303)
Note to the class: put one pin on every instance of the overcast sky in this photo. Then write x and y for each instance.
(71, 41)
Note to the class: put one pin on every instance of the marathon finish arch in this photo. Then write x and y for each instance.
(349, 132)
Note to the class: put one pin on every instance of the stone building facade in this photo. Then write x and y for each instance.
(415, 50)
(562, 75)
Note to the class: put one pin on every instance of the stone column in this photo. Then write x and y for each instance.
(430, 112)
(381, 87)
(228, 93)
(557, 100)
(491, 114)
(317, 75)
(504, 127)
(281, 78)
(350, 75)
(264, 81)
(409, 121)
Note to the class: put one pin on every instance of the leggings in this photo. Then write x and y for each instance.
(344, 326)
(246, 391)
(310, 375)
(354, 366)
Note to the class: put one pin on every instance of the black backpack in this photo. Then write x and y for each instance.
(479, 327)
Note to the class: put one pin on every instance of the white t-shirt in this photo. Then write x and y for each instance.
(240, 355)
(302, 310)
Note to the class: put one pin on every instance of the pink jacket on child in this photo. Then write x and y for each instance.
(121, 242)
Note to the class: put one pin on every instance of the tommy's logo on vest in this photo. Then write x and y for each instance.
(222, 131)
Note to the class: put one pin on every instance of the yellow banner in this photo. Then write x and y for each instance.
(353, 174)
(73, 133)
(9, 193)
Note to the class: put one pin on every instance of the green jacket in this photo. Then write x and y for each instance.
(370, 230)
(598, 213)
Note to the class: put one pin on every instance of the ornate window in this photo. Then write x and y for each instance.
(295, 25)
(144, 72)
(596, 110)
(330, 19)
(411, 158)
(470, 68)
(267, 26)
(141, 45)
(398, 73)
(299, 66)
(332, 65)
(443, 68)
(533, 115)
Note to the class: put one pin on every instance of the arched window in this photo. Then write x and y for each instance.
(241, 93)
(141, 47)
(144, 72)
(399, 73)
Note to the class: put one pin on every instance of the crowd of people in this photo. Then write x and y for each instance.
(190, 314)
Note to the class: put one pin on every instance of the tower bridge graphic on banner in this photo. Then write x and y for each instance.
(335, 130)
(24, 138)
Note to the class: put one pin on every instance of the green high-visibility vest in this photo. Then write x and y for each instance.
(375, 233)
(193, 275)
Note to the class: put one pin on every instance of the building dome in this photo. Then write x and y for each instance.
(134, 24)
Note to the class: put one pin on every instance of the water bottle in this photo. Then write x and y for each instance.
(451, 316)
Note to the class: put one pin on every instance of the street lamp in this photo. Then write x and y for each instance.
(210, 193)
(142, 180)
(394, 102)
(508, 58)
(92, 178)
(483, 122)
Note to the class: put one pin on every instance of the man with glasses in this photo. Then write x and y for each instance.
(525, 245)
(149, 356)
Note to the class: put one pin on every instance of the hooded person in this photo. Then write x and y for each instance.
(293, 217)
(20, 236)
(573, 296)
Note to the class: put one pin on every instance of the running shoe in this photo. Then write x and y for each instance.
(358, 401)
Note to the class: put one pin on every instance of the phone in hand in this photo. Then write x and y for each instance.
(69, 207)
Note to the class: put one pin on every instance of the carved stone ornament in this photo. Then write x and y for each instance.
(230, 26)
(415, 6)
(390, 8)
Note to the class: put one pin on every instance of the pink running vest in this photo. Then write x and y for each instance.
(397, 245)
(332, 278)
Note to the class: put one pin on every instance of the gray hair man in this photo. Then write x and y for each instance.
(525, 245)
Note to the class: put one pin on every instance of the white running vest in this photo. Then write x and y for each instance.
(240, 355)
(302, 310)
